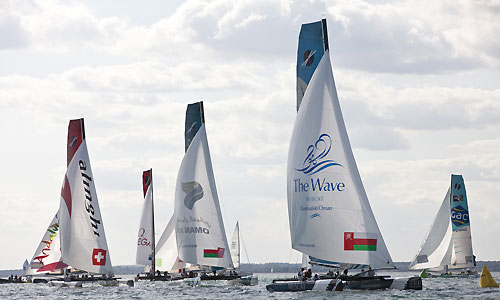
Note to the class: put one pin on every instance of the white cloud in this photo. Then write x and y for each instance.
(415, 36)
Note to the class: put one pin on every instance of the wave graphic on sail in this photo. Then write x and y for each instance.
(312, 161)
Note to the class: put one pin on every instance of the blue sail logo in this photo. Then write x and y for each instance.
(315, 160)
(459, 216)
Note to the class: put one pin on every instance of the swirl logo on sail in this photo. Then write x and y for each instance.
(194, 192)
(315, 160)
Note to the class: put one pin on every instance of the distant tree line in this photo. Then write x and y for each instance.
(274, 267)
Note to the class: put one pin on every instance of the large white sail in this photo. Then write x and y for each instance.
(83, 241)
(145, 236)
(435, 252)
(235, 247)
(329, 213)
(166, 250)
(47, 256)
(200, 234)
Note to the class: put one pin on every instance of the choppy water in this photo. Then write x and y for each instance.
(435, 288)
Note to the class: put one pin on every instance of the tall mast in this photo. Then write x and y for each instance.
(153, 261)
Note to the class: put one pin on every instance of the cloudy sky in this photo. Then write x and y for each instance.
(418, 83)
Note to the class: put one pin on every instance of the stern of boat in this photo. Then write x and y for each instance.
(405, 283)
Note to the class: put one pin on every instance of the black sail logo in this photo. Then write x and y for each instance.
(194, 192)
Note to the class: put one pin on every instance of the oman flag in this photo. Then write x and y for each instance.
(354, 241)
(215, 253)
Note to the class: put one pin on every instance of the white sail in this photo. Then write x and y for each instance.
(235, 247)
(305, 261)
(435, 252)
(83, 241)
(200, 234)
(145, 236)
(47, 256)
(166, 250)
(329, 213)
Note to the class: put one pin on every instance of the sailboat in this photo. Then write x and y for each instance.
(199, 228)
(47, 257)
(235, 248)
(145, 237)
(82, 236)
(448, 244)
(245, 279)
(330, 217)
(161, 257)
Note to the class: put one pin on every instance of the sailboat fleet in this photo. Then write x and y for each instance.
(330, 218)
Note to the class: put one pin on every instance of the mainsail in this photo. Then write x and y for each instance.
(313, 41)
(235, 247)
(462, 255)
(448, 243)
(83, 241)
(145, 236)
(329, 213)
(47, 256)
(200, 234)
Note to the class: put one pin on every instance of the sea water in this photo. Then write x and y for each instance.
(434, 288)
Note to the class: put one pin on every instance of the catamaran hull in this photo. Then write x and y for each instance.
(381, 283)
(362, 283)
(299, 286)
(219, 277)
(453, 276)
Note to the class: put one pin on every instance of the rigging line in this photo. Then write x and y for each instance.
(244, 248)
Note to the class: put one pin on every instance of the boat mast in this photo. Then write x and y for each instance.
(325, 34)
(153, 259)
